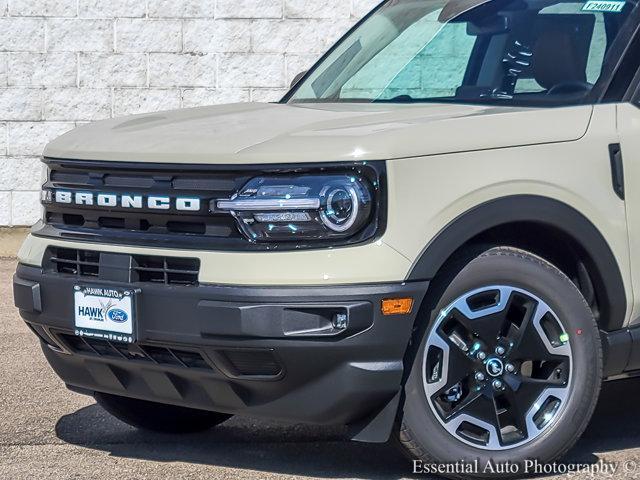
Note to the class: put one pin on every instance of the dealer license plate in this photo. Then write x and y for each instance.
(104, 312)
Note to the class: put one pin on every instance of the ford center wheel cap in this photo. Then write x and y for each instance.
(495, 367)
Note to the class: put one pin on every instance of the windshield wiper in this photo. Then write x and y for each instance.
(399, 99)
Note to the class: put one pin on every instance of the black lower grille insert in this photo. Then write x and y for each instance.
(254, 363)
(75, 262)
(145, 268)
(159, 355)
(167, 270)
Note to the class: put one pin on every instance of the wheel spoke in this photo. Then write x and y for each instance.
(528, 343)
(485, 328)
(459, 367)
(460, 408)
(457, 332)
(516, 410)
(508, 320)
(483, 409)
(518, 315)
(487, 316)
(521, 394)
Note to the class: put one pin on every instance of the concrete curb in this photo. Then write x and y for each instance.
(10, 241)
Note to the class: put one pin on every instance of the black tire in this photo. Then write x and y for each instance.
(423, 436)
(158, 417)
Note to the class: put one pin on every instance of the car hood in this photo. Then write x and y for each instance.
(279, 133)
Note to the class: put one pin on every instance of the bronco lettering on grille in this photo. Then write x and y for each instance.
(108, 200)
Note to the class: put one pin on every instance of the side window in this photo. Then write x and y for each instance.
(596, 52)
(429, 59)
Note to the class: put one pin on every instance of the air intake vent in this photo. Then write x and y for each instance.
(254, 363)
(167, 270)
(75, 262)
(150, 269)
(160, 355)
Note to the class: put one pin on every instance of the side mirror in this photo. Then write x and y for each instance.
(297, 78)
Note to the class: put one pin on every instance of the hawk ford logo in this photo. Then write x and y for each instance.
(109, 200)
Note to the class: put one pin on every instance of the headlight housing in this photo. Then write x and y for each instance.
(310, 208)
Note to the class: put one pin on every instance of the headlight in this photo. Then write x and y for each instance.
(302, 207)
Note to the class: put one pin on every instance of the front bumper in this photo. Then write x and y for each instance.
(263, 351)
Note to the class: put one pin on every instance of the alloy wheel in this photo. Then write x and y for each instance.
(497, 367)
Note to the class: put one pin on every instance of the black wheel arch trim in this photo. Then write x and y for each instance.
(600, 259)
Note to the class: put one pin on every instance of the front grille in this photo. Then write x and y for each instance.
(159, 355)
(144, 268)
(82, 217)
(131, 225)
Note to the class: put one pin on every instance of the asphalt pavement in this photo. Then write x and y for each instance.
(47, 432)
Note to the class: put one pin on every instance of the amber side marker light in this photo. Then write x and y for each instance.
(397, 306)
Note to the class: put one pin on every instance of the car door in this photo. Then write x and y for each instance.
(625, 167)
(620, 88)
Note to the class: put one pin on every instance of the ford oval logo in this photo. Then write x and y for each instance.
(117, 315)
(495, 367)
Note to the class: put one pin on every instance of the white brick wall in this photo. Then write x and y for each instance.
(65, 62)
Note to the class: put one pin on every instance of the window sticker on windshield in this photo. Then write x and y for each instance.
(603, 6)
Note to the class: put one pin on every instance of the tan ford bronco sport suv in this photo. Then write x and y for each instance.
(434, 238)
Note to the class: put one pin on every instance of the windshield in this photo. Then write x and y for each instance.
(514, 52)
